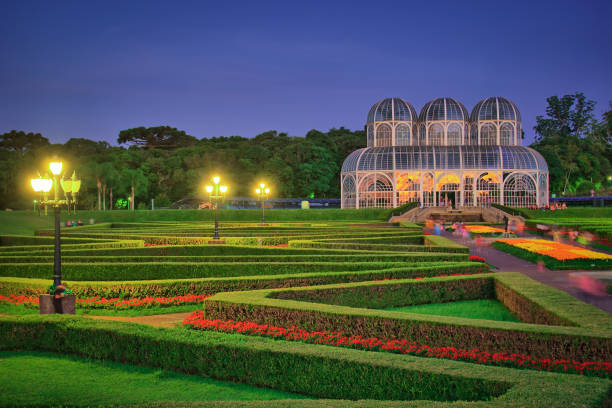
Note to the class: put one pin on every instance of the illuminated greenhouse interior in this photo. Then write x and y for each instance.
(444, 156)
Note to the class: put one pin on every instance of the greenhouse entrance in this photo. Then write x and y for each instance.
(443, 197)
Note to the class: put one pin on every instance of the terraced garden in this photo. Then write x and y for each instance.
(318, 312)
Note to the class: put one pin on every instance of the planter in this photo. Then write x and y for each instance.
(50, 305)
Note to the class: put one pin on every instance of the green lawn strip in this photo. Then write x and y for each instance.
(307, 369)
(474, 309)
(22, 220)
(550, 262)
(175, 287)
(70, 380)
(586, 343)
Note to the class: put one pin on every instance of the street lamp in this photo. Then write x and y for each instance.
(262, 193)
(44, 185)
(216, 192)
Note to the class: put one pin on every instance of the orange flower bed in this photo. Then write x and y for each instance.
(483, 229)
(556, 250)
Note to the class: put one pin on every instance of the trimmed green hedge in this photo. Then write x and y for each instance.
(301, 368)
(583, 343)
(141, 271)
(552, 263)
(376, 296)
(460, 252)
(134, 243)
(289, 368)
(176, 287)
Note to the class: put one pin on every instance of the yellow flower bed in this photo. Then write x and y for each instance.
(557, 250)
(483, 229)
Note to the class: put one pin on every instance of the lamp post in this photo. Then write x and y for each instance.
(216, 191)
(262, 193)
(44, 185)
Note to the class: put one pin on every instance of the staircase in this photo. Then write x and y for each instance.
(461, 214)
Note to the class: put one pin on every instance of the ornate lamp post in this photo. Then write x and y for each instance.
(216, 192)
(44, 185)
(262, 193)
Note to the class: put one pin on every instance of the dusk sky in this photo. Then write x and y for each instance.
(90, 69)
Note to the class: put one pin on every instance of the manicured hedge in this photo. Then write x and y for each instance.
(364, 257)
(178, 287)
(306, 370)
(95, 245)
(301, 368)
(140, 271)
(459, 251)
(21, 240)
(552, 342)
(550, 262)
(377, 296)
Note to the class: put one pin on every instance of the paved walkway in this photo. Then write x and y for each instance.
(577, 283)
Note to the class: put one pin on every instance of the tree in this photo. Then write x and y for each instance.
(163, 137)
(576, 147)
(21, 142)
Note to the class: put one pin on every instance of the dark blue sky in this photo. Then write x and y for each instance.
(90, 69)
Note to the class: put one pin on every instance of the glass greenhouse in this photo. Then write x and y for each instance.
(444, 155)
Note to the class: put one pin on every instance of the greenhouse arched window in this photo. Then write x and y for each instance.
(506, 134)
(436, 135)
(453, 135)
(488, 135)
(402, 135)
(383, 135)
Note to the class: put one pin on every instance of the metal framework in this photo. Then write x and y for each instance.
(444, 156)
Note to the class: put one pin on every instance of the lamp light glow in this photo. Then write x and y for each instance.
(45, 185)
(262, 185)
(258, 191)
(76, 186)
(267, 190)
(209, 189)
(216, 179)
(223, 189)
(56, 168)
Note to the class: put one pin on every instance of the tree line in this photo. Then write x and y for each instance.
(167, 164)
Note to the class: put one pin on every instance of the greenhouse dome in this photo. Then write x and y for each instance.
(443, 165)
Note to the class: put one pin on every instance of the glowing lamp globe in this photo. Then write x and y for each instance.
(56, 168)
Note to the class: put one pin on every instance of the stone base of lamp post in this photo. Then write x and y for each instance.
(50, 305)
(216, 242)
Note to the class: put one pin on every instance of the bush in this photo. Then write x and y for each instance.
(299, 368)
(549, 342)
(178, 287)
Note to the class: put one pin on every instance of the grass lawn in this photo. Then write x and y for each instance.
(36, 378)
(475, 309)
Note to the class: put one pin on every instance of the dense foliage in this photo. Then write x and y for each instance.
(576, 146)
(167, 164)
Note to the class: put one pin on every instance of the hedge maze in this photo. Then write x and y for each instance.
(301, 307)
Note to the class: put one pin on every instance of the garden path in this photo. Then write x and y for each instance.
(159, 320)
(578, 283)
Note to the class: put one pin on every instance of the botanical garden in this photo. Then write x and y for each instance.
(450, 277)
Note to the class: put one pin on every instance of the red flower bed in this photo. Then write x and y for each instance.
(196, 320)
(155, 245)
(477, 258)
(114, 303)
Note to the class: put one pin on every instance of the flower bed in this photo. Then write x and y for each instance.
(555, 255)
(113, 303)
(196, 320)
